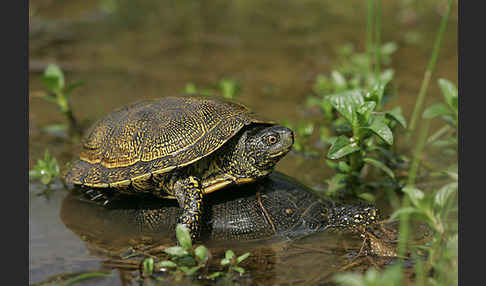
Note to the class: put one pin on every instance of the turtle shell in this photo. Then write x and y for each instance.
(154, 137)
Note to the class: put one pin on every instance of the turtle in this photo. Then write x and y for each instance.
(178, 147)
(276, 207)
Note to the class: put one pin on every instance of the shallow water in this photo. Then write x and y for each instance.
(153, 48)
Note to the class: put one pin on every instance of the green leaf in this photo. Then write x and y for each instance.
(215, 275)
(347, 103)
(444, 193)
(396, 114)
(55, 128)
(166, 264)
(365, 111)
(402, 211)
(452, 175)
(336, 183)
(435, 110)
(201, 252)
(367, 107)
(343, 167)
(176, 251)
(449, 90)
(238, 269)
(379, 127)
(225, 261)
(349, 279)
(338, 80)
(367, 196)
(183, 237)
(46, 179)
(148, 266)
(34, 174)
(73, 85)
(229, 254)
(414, 194)
(53, 78)
(190, 271)
(342, 147)
(388, 48)
(387, 75)
(380, 166)
(242, 257)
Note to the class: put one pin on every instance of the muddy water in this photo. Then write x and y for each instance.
(126, 52)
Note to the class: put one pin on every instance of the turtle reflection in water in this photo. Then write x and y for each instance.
(277, 206)
(181, 148)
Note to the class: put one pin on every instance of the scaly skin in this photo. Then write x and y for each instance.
(275, 206)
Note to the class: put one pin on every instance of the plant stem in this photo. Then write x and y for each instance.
(369, 36)
(429, 71)
(412, 174)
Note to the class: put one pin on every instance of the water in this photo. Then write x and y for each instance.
(126, 52)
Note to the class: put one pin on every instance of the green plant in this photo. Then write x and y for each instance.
(58, 92)
(46, 170)
(392, 275)
(366, 136)
(187, 260)
(437, 210)
(184, 259)
(231, 262)
(447, 135)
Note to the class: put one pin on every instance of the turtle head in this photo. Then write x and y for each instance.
(259, 148)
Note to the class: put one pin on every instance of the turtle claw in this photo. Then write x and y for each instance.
(96, 197)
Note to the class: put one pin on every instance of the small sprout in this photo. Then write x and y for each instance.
(59, 93)
(46, 170)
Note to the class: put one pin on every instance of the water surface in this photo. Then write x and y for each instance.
(131, 50)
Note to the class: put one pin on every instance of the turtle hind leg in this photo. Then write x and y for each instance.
(189, 194)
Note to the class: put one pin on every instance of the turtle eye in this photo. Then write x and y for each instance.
(272, 139)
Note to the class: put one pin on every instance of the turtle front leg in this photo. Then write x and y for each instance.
(189, 194)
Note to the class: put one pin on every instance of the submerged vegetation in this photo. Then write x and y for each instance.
(358, 132)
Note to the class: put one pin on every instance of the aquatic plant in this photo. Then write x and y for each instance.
(186, 260)
(58, 92)
(445, 137)
(365, 136)
(390, 276)
(46, 170)
(231, 262)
